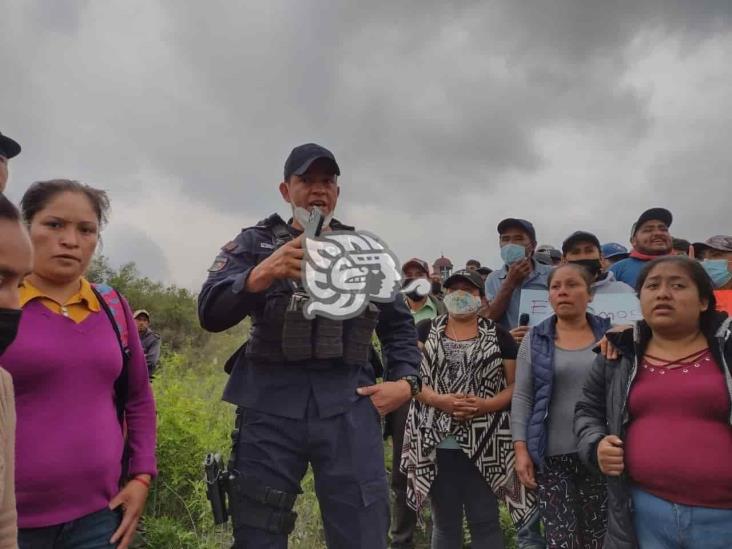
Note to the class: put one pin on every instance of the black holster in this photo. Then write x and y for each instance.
(217, 478)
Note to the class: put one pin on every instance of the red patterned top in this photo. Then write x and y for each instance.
(679, 442)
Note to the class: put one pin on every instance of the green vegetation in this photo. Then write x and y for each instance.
(192, 421)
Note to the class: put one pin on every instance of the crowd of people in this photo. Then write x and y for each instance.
(592, 433)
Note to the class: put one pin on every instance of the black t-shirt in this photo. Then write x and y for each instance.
(506, 342)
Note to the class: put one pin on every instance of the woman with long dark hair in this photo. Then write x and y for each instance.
(657, 421)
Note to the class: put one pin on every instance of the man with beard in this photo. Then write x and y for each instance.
(650, 239)
(15, 263)
(305, 390)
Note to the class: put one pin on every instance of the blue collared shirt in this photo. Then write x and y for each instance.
(537, 280)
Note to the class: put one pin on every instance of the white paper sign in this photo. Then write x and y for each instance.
(621, 308)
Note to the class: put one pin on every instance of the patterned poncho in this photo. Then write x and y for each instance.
(485, 439)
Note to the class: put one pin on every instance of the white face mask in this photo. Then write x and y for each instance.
(302, 216)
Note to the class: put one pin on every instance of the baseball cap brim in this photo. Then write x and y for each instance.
(9, 148)
(141, 312)
(699, 246)
(471, 277)
(653, 214)
(418, 263)
(305, 166)
(515, 222)
(579, 236)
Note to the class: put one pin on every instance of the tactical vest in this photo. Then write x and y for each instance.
(281, 333)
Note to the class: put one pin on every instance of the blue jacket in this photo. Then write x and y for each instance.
(269, 384)
(542, 363)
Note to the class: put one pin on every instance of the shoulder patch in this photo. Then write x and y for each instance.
(230, 246)
(218, 264)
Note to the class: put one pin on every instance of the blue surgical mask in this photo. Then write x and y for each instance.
(718, 271)
(511, 253)
(461, 303)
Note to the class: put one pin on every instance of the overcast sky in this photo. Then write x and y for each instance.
(444, 116)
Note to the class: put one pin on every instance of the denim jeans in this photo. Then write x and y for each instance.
(530, 536)
(88, 532)
(459, 485)
(661, 524)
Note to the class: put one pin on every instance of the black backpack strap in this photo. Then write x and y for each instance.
(121, 389)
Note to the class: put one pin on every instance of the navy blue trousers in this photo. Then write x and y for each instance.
(347, 456)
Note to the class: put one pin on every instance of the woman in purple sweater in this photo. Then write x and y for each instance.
(65, 362)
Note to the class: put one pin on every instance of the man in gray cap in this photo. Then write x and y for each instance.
(715, 254)
(150, 340)
(9, 148)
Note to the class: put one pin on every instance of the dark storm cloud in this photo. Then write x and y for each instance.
(122, 242)
(423, 102)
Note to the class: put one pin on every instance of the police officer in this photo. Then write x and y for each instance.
(149, 339)
(9, 148)
(305, 390)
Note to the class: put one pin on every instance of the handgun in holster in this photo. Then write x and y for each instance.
(217, 478)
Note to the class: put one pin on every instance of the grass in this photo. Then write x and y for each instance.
(193, 421)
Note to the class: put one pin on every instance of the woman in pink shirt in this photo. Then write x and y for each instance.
(75, 383)
(658, 420)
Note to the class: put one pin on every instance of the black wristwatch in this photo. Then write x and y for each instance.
(415, 384)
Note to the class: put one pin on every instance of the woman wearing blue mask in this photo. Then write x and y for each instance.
(457, 443)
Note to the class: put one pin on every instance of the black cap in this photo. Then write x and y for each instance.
(579, 236)
(469, 276)
(520, 223)
(303, 156)
(654, 214)
(485, 271)
(8, 147)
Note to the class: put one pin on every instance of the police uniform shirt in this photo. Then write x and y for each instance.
(284, 388)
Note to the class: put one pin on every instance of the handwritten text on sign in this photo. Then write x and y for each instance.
(621, 308)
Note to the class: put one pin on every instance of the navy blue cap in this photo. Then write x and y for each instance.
(8, 147)
(579, 236)
(303, 156)
(520, 223)
(613, 249)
